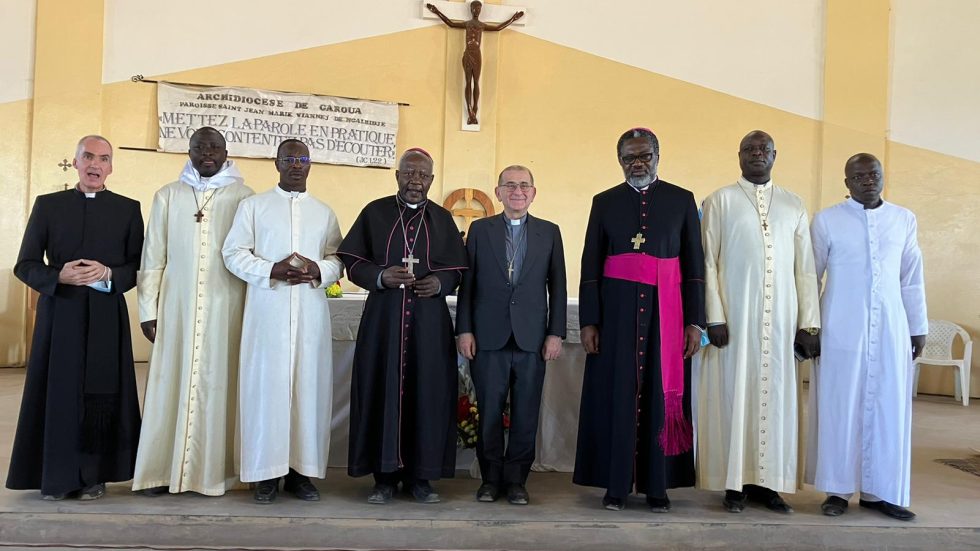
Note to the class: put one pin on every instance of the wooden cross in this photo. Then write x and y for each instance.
(198, 216)
(410, 262)
(65, 165)
(765, 225)
(637, 241)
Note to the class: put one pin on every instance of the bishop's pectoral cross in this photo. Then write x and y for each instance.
(410, 262)
(638, 240)
(198, 216)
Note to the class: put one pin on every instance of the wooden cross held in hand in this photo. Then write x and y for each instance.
(410, 262)
(637, 241)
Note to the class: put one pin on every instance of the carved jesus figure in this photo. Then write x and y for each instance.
(472, 58)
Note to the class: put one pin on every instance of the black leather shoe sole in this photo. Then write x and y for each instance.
(517, 495)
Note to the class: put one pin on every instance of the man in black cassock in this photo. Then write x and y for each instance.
(407, 252)
(79, 419)
(641, 308)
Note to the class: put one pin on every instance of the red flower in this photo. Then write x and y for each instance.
(463, 408)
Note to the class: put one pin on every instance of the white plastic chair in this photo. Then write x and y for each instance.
(939, 351)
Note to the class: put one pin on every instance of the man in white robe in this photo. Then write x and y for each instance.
(283, 244)
(874, 324)
(761, 297)
(191, 309)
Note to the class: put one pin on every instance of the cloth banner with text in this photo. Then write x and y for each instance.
(337, 130)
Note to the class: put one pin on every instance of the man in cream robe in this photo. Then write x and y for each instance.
(283, 244)
(761, 295)
(191, 309)
(874, 317)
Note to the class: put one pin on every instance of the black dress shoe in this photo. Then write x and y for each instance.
(517, 494)
(155, 491)
(834, 506)
(423, 493)
(488, 492)
(266, 491)
(770, 498)
(895, 511)
(659, 504)
(613, 503)
(381, 494)
(734, 501)
(93, 492)
(301, 487)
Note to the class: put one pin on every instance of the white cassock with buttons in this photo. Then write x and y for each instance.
(285, 378)
(873, 300)
(760, 280)
(187, 441)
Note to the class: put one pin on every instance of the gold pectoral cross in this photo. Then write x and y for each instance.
(638, 240)
(410, 262)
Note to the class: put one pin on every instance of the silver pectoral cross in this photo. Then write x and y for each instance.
(637, 241)
(410, 262)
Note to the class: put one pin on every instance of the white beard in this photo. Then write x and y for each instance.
(640, 181)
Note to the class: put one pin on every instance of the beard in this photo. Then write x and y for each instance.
(640, 181)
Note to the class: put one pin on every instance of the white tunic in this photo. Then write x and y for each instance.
(861, 391)
(762, 283)
(286, 380)
(187, 440)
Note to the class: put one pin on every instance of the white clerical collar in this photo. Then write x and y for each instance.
(855, 204)
(88, 194)
(401, 201)
(753, 185)
(514, 222)
(229, 174)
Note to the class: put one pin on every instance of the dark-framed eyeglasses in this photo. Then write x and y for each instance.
(290, 161)
(630, 159)
(511, 186)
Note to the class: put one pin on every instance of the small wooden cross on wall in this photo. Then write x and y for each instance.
(410, 262)
(65, 165)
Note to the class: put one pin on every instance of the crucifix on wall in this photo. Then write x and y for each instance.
(472, 56)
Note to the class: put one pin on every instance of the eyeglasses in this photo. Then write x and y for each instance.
(511, 186)
(415, 174)
(290, 161)
(865, 176)
(630, 159)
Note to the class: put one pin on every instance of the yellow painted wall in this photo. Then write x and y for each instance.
(943, 192)
(15, 149)
(555, 109)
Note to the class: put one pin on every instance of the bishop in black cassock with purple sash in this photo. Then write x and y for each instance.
(79, 419)
(641, 307)
(407, 252)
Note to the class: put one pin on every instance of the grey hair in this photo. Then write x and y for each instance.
(639, 133)
(80, 147)
(500, 179)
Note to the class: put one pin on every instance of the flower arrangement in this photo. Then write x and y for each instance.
(467, 412)
(334, 291)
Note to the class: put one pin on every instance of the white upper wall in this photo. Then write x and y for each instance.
(17, 45)
(767, 51)
(770, 52)
(935, 88)
(147, 37)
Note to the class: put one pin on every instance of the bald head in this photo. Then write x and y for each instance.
(864, 179)
(207, 151)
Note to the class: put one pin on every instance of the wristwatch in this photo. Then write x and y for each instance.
(812, 330)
